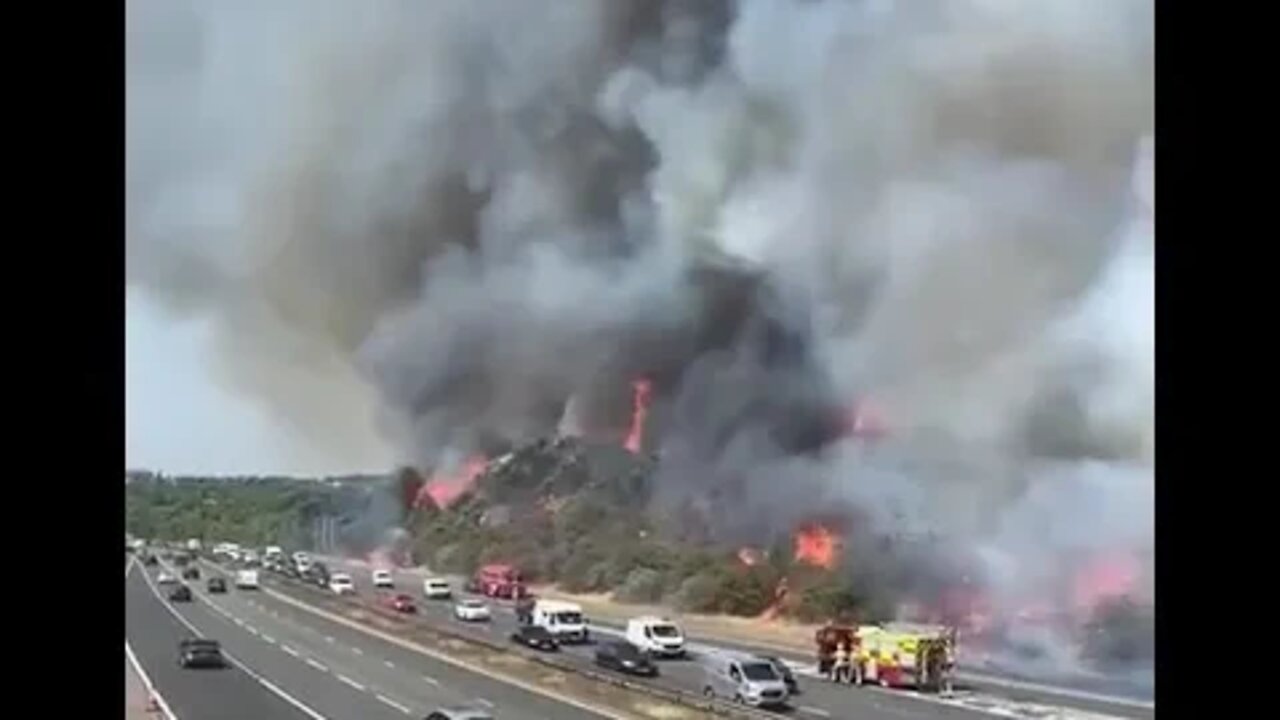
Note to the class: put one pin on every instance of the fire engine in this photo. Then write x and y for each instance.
(892, 655)
(498, 580)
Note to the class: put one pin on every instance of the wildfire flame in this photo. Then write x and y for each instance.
(445, 487)
(1107, 576)
(640, 410)
(816, 545)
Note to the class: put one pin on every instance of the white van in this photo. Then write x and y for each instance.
(564, 620)
(659, 636)
(436, 589)
(743, 679)
(247, 579)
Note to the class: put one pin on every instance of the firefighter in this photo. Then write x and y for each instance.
(842, 666)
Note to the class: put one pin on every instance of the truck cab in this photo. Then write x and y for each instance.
(564, 620)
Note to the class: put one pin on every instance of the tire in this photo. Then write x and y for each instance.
(737, 697)
(709, 693)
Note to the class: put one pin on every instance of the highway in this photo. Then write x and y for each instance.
(819, 698)
(292, 664)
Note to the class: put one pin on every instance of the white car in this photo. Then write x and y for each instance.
(247, 579)
(342, 584)
(436, 589)
(471, 611)
(383, 579)
(165, 578)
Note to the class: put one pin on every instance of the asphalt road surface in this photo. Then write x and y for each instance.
(335, 672)
(818, 698)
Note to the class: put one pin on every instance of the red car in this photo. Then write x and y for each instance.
(399, 602)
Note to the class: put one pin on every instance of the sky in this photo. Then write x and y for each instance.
(179, 419)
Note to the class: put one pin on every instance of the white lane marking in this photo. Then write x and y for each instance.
(237, 621)
(431, 680)
(329, 639)
(289, 650)
(252, 630)
(357, 651)
(351, 682)
(146, 681)
(484, 702)
(388, 663)
(384, 699)
(814, 711)
(268, 638)
(234, 661)
(319, 666)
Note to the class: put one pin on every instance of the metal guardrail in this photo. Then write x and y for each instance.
(419, 621)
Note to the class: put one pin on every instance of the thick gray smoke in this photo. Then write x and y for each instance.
(452, 221)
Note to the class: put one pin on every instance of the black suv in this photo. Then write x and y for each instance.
(535, 636)
(200, 652)
(191, 573)
(216, 585)
(180, 593)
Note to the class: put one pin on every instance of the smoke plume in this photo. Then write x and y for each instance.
(465, 224)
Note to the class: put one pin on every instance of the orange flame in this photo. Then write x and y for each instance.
(444, 488)
(816, 545)
(1104, 577)
(640, 410)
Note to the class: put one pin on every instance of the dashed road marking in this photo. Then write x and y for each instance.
(814, 711)
(268, 638)
(319, 666)
(357, 650)
(289, 650)
(431, 680)
(328, 638)
(388, 701)
(484, 702)
(252, 630)
(351, 682)
(388, 663)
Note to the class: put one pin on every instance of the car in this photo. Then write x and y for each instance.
(180, 593)
(341, 584)
(471, 611)
(436, 589)
(383, 579)
(460, 713)
(247, 580)
(784, 670)
(316, 574)
(535, 636)
(399, 602)
(166, 578)
(216, 585)
(150, 560)
(624, 657)
(191, 573)
(200, 652)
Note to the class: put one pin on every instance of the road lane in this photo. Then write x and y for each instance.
(228, 694)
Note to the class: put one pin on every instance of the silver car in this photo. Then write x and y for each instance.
(744, 679)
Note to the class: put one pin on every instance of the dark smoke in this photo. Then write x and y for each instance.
(429, 229)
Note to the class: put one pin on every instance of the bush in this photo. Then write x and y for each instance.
(1121, 631)
(643, 585)
(746, 593)
(584, 572)
(699, 592)
(831, 600)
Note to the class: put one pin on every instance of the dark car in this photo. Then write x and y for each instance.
(624, 657)
(535, 636)
(216, 585)
(150, 560)
(181, 561)
(200, 652)
(318, 574)
(180, 593)
(784, 670)
(191, 573)
(460, 713)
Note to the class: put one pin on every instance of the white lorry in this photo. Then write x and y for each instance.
(659, 636)
(564, 620)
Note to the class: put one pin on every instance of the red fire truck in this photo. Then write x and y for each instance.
(499, 580)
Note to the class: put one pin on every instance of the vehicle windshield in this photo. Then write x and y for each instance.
(759, 671)
(568, 618)
(664, 631)
(202, 644)
(341, 579)
(536, 631)
(472, 604)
